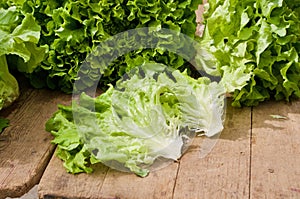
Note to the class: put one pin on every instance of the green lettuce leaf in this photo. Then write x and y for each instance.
(3, 124)
(151, 113)
(9, 88)
(255, 48)
(19, 36)
(73, 29)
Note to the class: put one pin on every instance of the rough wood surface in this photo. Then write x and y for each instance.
(158, 184)
(57, 183)
(224, 172)
(227, 164)
(258, 159)
(25, 147)
(275, 164)
(105, 183)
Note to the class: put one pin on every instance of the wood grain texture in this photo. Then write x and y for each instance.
(275, 163)
(105, 183)
(256, 156)
(158, 184)
(57, 183)
(25, 147)
(224, 172)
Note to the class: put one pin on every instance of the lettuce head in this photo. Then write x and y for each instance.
(151, 114)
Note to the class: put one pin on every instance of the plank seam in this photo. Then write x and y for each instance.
(47, 161)
(250, 151)
(175, 181)
(104, 179)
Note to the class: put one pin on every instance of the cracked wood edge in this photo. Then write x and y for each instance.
(25, 147)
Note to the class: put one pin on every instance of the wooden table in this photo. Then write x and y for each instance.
(256, 156)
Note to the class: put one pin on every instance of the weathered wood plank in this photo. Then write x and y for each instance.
(275, 161)
(105, 183)
(57, 183)
(25, 147)
(158, 184)
(224, 172)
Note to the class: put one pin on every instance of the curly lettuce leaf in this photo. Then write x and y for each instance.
(255, 48)
(72, 29)
(148, 115)
(19, 35)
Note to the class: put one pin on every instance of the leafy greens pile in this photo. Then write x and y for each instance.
(254, 45)
(19, 36)
(148, 115)
(72, 29)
